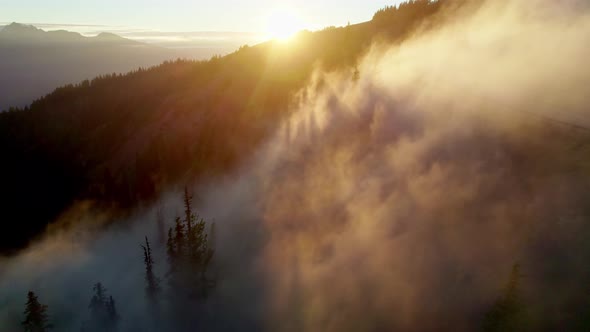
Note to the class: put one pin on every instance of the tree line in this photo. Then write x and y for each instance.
(189, 251)
(120, 140)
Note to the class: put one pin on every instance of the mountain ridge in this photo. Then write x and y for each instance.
(121, 139)
(29, 33)
(62, 57)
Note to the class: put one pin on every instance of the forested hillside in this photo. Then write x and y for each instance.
(35, 62)
(118, 140)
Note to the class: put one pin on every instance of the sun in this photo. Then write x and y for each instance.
(282, 24)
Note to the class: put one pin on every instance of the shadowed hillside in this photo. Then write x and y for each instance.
(120, 139)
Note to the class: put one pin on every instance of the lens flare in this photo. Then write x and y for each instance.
(283, 24)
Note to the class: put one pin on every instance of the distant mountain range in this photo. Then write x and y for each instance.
(27, 34)
(34, 62)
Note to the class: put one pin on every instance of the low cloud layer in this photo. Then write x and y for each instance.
(222, 42)
(396, 198)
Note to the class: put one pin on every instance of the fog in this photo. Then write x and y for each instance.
(395, 199)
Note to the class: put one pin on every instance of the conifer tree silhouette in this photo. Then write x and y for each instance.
(36, 318)
(189, 253)
(152, 282)
(103, 311)
(507, 313)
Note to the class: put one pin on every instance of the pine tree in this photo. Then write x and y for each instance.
(189, 217)
(112, 315)
(172, 253)
(170, 248)
(198, 255)
(507, 314)
(97, 307)
(152, 283)
(36, 318)
(189, 253)
(99, 296)
(103, 312)
(179, 236)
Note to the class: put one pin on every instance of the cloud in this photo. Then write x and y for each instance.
(401, 200)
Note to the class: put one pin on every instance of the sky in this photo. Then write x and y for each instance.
(188, 15)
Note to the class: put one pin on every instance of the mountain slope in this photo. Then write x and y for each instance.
(119, 140)
(34, 62)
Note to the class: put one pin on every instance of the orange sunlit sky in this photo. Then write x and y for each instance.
(190, 15)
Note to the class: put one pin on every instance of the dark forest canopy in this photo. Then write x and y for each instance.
(119, 140)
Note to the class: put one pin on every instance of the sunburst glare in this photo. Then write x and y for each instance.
(282, 24)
